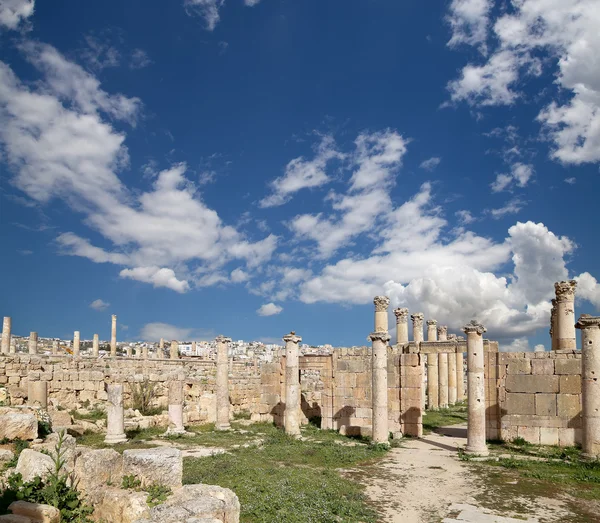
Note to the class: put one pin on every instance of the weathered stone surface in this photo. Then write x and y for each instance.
(13, 518)
(570, 384)
(569, 366)
(35, 511)
(542, 366)
(545, 404)
(96, 468)
(520, 403)
(157, 465)
(19, 425)
(531, 384)
(522, 366)
(6, 455)
(32, 463)
(60, 418)
(117, 505)
(569, 405)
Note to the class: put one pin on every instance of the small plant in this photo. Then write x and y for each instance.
(44, 428)
(243, 414)
(519, 442)
(157, 494)
(462, 455)
(131, 482)
(142, 394)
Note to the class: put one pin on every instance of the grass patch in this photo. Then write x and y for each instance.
(92, 415)
(440, 418)
(289, 480)
(137, 439)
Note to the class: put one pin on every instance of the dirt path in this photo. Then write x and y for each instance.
(425, 482)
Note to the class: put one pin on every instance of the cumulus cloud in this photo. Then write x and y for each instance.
(519, 175)
(431, 164)
(588, 288)
(239, 275)
(269, 309)
(158, 277)
(99, 305)
(532, 36)
(14, 12)
(155, 331)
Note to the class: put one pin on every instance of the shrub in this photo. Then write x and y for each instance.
(142, 394)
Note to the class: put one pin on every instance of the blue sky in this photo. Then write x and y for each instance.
(255, 167)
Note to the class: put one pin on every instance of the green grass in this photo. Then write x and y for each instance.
(291, 481)
(440, 418)
(92, 415)
(137, 439)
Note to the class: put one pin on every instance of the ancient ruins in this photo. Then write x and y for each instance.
(549, 398)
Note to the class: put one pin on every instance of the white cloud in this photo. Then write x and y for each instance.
(469, 20)
(99, 53)
(571, 180)
(13, 12)
(512, 206)
(157, 276)
(544, 34)
(155, 331)
(520, 174)
(251, 3)
(238, 275)
(588, 288)
(464, 217)
(431, 164)
(269, 309)
(99, 305)
(139, 59)
(517, 345)
(207, 9)
(303, 174)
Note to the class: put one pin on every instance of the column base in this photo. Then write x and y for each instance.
(589, 457)
(174, 431)
(477, 451)
(112, 439)
(222, 426)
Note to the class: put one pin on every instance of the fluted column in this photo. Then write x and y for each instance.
(115, 422)
(222, 422)
(380, 386)
(401, 325)
(175, 407)
(590, 386)
(113, 336)
(565, 315)
(174, 350)
(381, 313)
(76, 343)
(476, 390)
(96, 346)
(292, 384)
(33, 342)
(6, 327)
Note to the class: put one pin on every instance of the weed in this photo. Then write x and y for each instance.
(243, 414)
(142, 394)
(157, 494)
(131, 482)
(93, 415)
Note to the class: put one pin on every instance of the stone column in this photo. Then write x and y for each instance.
(442, 332)
(417, 321)
(145, 352)
(380, 386)
(160, 353)
(113, 336)
(115, 423)
(452, 392)
(443, 379)
(33, 342)
(129, 351)
(476, 390)
(460, 376)
(174, 350)
(381, 313)
(6, 325)
(96, 346)
(13, 347)
(222, 422)
(432, 330)
(590, 386)
(565, 315)
(194, 349)
(432, 382)
(54, 347)
(37, 393)
(176, 408)
(76, 343)
(401, 325)
(553, 337)
(292, 384)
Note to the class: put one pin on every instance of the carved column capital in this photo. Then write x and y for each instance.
(431, 322)
(417, 318)
(381, 303)
(586, 321)
(474, 327)
(291, 337)
(382, 336)
(222, 339)
(401, 315)
(565, 290)
(443, 329)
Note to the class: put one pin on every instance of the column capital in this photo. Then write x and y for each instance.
(565, 290)
(443, 329)
(474, 327)
(291, 337)
(451, 337)
(401, 314)
(381, 303)
(431, 322)
(381, 335)
(586, 321)
(222, 339)
(417, 317)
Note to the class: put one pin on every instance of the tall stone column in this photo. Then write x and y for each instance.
(381, 313)
(113, 336)
(176, 407)
(432, 330)
(194, 349)
(565, 315)
(553, 331)
(145, 352)
(443, 379)
(460, 376)
(54, 347)
(401, 325)
(432, 382)
(476, 390)
(76, 343)
(222, 422)
(33, 342)
(590, 386)
(6, 326)
(37, 393)
(115, 423)
(452, 392)
(160, 353)
(442, 333)
(417, 321)
(292, 384)
(96, 346)
(129, 351)
(380, 387)
(174, 350)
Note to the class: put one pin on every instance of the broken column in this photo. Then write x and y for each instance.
(37, 393)
(222, 422)
(174, 350)
(145, 352)
(194, 349)
(113, 336)
(96, 346)
(292, 384)
(401, 325)
(475, 390)
(54, 347)
(590, 386)
(564, 333)
(129, 351)
(176, 407)
(33, 342)
(6, 326)
(76, 343)
(115, 423)
(160, 353)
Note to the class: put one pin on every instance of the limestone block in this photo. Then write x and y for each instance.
(570, 384)
(530, 434)
(520, 403)
(60, 418)
(32, 463)
(35, 511)
(19, 425)
(545, 404)
(98, 467)
(531, 384)
(118, 506)
(567, 366)
(13, 518)
(521, 366)
(549, 436)
(569, 437)
(5, 456)
(545, 367)
(157, 465)
(569, 405)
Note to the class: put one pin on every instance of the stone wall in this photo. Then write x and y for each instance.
(535, 396)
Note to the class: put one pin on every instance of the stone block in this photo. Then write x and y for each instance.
(542, 366)
(17, 425)
(567, 366)
(14, 518)
(570, 384)
(569, 437)
(549, 436)
(532, 383)
(530, 434)
(32, 463)
(35, 511)
(521, 366)
(157, 465)
(545, 404)
(569, 405)
(98, 467)
(520, 403)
